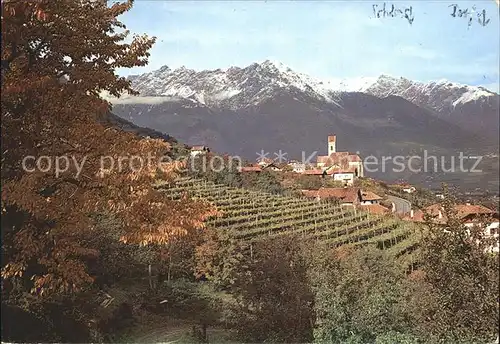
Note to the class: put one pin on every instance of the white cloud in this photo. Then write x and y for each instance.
(128, 99)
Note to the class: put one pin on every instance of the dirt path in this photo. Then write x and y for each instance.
(157, 329)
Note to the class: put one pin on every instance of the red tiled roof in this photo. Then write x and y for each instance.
(337, 170)
(355, 158)
(250, 169)
(418, 216)
(313, 172)
(369, 196)
(341, 159)
(462, 210)
(375, 208)
(347, 195)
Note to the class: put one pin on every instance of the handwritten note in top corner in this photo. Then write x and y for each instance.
(469, 14)
(384, 12)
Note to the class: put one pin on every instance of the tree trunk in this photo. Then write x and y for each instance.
(150, 277)
(204, 333)
(169, 267)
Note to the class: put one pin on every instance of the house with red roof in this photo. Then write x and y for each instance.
(369, 198)
(267, 163)
(264, 161)
(405, 187)
(344, 175)
(349, 196)
(314, 172)
(346, 196)
(469, 214)
(296, 166)
(250, 169)
(199, 150)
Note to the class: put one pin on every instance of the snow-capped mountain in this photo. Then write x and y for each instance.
(238, 87)
(441, 95)
(473, 108)
(234, 87)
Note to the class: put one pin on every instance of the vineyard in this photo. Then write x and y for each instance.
(253, 215)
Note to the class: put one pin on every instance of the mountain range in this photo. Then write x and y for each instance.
(268, 106)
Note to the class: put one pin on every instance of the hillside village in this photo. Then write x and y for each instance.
(343, 167)
(346, 170)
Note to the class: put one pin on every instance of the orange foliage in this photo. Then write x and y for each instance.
(57, 56)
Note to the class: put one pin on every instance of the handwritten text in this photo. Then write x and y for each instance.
(469, 14)
(406, 13)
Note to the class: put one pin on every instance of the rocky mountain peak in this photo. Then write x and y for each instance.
(238, 87)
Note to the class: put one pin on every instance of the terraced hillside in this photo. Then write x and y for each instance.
(252, 216)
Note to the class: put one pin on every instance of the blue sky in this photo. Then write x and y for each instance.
(326, 39)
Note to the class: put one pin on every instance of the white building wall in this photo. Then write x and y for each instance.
(359, 166)
(298, 167)
(488, 233)
(332, 144)
(344, 177)
(369, 202)
(197, 152)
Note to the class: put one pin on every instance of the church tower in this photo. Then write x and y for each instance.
(332, 144)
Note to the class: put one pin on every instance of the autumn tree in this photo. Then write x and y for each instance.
(265, 181)
(359, 297)
(219, 169)
(60, 165)
(306, 182)
(455, 292)
(272, 291)
(219, 258)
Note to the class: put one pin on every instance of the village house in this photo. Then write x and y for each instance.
(272, 167)
(297, 167)
(264, 162)
(370, 202)
(440, 196)
(346, 162)
(350, 197)
(315, 172)
(345, 196)
(409, 189)
(469, 214)
(369, 198)
(199, 150)
(249, 169)
(403, 186)
(269, 164)
(345, 176)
